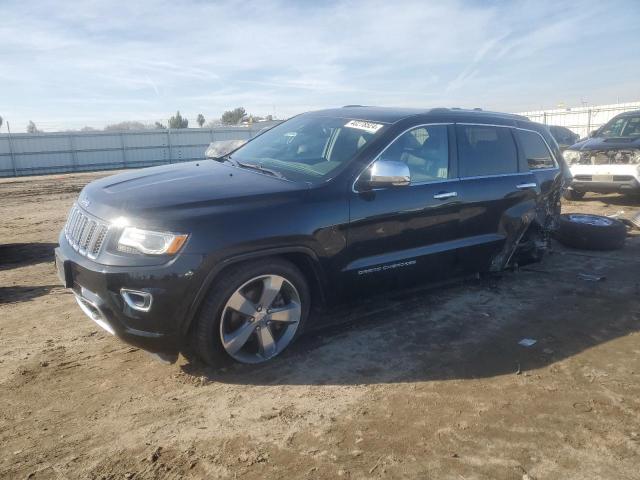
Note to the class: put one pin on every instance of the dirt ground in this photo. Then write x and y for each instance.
(428, 384)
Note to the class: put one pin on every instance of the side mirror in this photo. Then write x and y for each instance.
(388, 173)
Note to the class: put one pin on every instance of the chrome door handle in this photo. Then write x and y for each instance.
(524, 186)
(442, 195)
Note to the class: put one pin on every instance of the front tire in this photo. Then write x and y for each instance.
(252, 313)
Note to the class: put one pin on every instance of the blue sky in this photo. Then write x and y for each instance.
(67, 64)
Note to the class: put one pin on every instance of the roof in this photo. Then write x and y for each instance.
(393, 115)
(629, 113)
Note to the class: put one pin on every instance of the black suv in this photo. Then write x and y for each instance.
(227, 257)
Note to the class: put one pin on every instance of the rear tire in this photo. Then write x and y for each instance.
(256, 276)
(590, 232)
(571, 194)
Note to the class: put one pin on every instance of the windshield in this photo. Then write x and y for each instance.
(308, 148)
(628, 126)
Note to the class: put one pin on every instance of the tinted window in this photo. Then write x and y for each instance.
(486, 151)
(563, 136)
(535, 150)
(425, 150)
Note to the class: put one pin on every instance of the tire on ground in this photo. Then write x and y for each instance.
(590, 232)
(206, 338)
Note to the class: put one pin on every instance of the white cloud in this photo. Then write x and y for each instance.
(58, 57)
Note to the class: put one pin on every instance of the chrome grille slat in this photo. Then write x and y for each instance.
(97, 244)
(73, 219)
(86, 234)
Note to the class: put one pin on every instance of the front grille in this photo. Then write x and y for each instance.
(84, 233)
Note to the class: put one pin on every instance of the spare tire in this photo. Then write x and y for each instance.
(590, 232)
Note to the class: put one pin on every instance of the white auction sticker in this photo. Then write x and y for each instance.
(366, 126)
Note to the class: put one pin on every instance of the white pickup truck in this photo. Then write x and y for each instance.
(609, 160)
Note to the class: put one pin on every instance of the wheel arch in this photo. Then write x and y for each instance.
(304, 258)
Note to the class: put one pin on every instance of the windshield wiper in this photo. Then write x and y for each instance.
(226, 158)
(260, 168)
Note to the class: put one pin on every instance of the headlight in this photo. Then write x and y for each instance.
(571, 156)
(636, 157)
(135, 240)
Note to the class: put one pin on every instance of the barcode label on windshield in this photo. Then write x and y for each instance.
(366, 126)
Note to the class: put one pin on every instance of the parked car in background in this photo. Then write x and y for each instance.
(609, 160)
(228, 257)
(563, 136)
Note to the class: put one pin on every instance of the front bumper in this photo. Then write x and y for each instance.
(617, 184)
(98, 291)
(619, 178)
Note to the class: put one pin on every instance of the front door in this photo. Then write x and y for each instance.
(402, 234)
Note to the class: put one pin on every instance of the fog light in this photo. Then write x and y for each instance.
(137, 300)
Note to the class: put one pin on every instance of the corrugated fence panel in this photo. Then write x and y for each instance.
(4, 144)
(146, 157)
(33, 154)
(190, 138)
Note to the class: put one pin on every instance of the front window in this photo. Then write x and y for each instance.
(425, 150)
(307, 148)
(627, 126)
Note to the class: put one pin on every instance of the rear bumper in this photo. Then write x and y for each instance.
(97, 289)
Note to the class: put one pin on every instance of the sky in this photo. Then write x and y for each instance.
(69, 64)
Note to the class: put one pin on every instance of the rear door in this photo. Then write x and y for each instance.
(408, 232)
(498, 195)
(537, 157)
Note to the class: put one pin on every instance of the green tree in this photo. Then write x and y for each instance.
(31, 127)
(233, 117)
(159, 126)
(177, 121)
(200, 120)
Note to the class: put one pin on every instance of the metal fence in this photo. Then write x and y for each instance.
(43, 153)
(581, 120)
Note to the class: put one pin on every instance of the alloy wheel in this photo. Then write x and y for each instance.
(260, 319)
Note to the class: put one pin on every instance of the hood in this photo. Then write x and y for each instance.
(159, 191)
(601, 143)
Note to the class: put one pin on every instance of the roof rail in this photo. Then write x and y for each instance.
(348, 106)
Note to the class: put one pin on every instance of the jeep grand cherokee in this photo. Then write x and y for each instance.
(226, 256)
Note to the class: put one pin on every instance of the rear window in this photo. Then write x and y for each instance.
(535, 150)
(486, 150)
